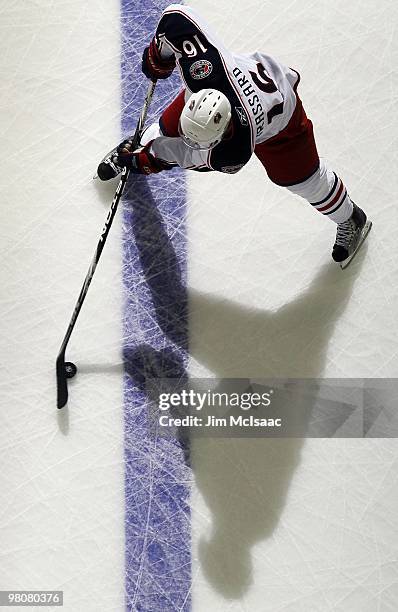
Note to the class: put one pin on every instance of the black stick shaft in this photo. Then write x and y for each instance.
(96, 258)
(62, 393)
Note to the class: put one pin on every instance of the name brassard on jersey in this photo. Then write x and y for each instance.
(253, 100)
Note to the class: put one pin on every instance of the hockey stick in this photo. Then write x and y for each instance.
(64, 369)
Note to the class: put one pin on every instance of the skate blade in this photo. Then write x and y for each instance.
(365, 231)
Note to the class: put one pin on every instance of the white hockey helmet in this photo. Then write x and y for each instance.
(204, 119)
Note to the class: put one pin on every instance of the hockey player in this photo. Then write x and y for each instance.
(231, 107)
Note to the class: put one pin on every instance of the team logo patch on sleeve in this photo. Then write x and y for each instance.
(201, 69)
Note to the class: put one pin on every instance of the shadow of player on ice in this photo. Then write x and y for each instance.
(244, 482)
(160, 307)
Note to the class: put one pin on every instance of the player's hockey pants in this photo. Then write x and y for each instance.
(291, 160)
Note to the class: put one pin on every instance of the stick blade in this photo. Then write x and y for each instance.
(62, 385)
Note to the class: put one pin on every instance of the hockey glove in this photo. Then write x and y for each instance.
(139, 161)
(154, 66)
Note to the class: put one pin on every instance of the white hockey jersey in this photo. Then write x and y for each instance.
(260, 89)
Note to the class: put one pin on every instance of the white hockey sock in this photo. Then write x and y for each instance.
(325, 191)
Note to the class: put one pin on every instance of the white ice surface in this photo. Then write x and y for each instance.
(285, 524)
(61, 491)
(277, 526)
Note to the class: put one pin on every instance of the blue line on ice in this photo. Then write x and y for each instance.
(155, 343)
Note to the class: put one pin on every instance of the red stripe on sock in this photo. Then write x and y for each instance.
(335, 199)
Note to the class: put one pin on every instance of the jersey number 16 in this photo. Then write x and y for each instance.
(190, 49)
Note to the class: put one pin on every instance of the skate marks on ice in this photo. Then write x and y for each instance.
(157, 519)
(158, 514)
(155, 268)
(244, 482)
(162, 282)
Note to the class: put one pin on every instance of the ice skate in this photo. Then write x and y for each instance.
(350, 237)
